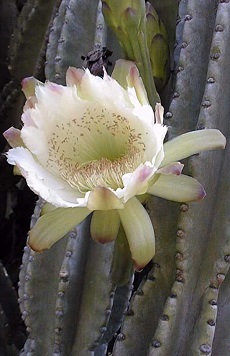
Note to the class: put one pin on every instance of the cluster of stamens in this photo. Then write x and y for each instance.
(95, 150)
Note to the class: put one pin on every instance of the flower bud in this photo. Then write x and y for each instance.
(127, 20)
(157, 43)
(123, 13)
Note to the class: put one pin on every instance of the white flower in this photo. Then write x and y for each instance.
(96, 146)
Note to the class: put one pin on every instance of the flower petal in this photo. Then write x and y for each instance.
(122, 264)
(13, 136)
(139, 232)
(74, 76)
(174, 168)
(159, 113)
(94, 88)
(47, 208)
(54, 225)
(191, 143)
(127, 75)
(51, 188)
(104, 225)
(16, 171)
(102, 198)
(136, 183)
(28, 86)
(177, 188)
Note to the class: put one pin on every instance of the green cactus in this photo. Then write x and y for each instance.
(12, 330)
(179, 305)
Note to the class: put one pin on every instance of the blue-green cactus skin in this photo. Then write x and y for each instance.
(66, 44)
(12, 333)
(28, 37)
(199, 239)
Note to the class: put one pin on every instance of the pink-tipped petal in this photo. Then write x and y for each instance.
(134, 80)
(13, 136)
(26, 116)
(104, 225)
(139, 232)
(54, 225)
(127, 75)
(177, 188)
(174, 168)
(30, 103)
(102, 198)
(74, 76)
(56, 88)
(159, 114)
(136, 183)
(121, 71)
(191, 143)
(28, 86)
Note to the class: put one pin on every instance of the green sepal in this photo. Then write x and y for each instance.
(157, 42)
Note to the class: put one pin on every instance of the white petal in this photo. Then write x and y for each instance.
(96, 89)
(156, 144)
(55, 103)
(134, 80)
(51, 188)
(54, 225)
(35, 140)
(13, 137)
(136, 183)
(139, 232)
(127, 75)
(104, 225)
(177, 188)
(102, 198)
(74, 76)
(159, 113)
(27, 117)
(191, 143)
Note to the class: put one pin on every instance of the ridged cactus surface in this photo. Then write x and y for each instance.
(181, 306)
(199, 234)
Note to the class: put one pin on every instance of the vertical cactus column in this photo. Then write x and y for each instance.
(186, 325)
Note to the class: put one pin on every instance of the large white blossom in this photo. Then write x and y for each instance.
(97, 146)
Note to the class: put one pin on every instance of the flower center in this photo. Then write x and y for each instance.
(96, 149)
